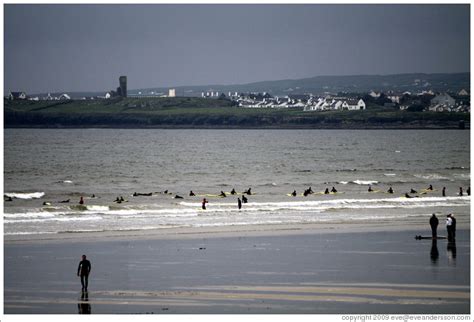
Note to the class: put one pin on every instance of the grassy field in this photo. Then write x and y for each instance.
(198, 112)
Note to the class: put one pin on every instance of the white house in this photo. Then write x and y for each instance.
(17, 96)
(443, 99)
(353, 105)
(64, 97)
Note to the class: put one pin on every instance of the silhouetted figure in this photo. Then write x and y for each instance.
(65, 201)
(117, 200)
(407, 195)
(204, 202)
(165, 192)
(306, 193)
(239, 203)
(370, 189)
(81, 201)
(244, 199)
(444, 192)
(222, 194)
(434, 253)
(233, 192)
(434, 226)
(310, 191)
(449, 227)
(83, 306)
(453, 227)
(135, 194)
(460, 191)
(468, 191)
(293, 193)
(191, 194)
(83, 271)
(248, 191)
(413, 191)
(333, 190)
(178, 197)
(326, 192)
(430, 188)
(93, 196)
(121, 199)
(8, 198)
(390, 190)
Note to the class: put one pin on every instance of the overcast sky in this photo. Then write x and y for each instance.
(87, 47)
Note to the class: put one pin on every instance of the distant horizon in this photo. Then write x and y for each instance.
(216, 84)
(85, 47)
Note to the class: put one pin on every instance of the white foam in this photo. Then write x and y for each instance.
(365, 182)
(21, 195)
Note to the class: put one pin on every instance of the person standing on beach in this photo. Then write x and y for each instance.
(434, 226)
(453, 227)
(83, 271)
(239, 203)
(449, 228)
(204, 202)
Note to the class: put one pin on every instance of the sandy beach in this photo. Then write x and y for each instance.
(288, 269)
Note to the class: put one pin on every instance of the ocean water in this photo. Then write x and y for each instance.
(54, 165)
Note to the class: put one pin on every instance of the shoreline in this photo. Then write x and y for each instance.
(185, 233)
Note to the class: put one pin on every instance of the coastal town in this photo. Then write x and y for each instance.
(406, 101)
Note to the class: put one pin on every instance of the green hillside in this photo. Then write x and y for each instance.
(182, 112)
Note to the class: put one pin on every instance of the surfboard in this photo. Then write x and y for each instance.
(418, 237)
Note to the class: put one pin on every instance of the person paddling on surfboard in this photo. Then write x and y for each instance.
(413, 191)
(333, 190)
(430, 188)
(249, 192)
(293, 193)
(233, 192)
(191, 194)
(222, 194)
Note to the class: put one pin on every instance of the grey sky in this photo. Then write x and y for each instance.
(87, 47)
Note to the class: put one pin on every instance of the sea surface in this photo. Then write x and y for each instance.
(43, 167)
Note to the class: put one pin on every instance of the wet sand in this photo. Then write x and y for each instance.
(326, 270)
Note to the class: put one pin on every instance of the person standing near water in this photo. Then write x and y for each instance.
(449, 228)
(239, 203)
(444, 191)
(83, 271)
(434, 226)
(453, 227)
(81, 202)
(460, 191)
(204, 202)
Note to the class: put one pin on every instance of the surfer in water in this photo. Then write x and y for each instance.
(390, 190)
(248, 191)
(233, 192)
(430, 188)
(293, 193)
(244, 199)
(333, 190)
(444, 192)
(326, 192)
(239, 203)
(204, 202)
(468, 191)
(413, 191)
(191, 194)
(81, 202)
(370, 189)
(460, 191)
(223, 195)
(178, 197)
